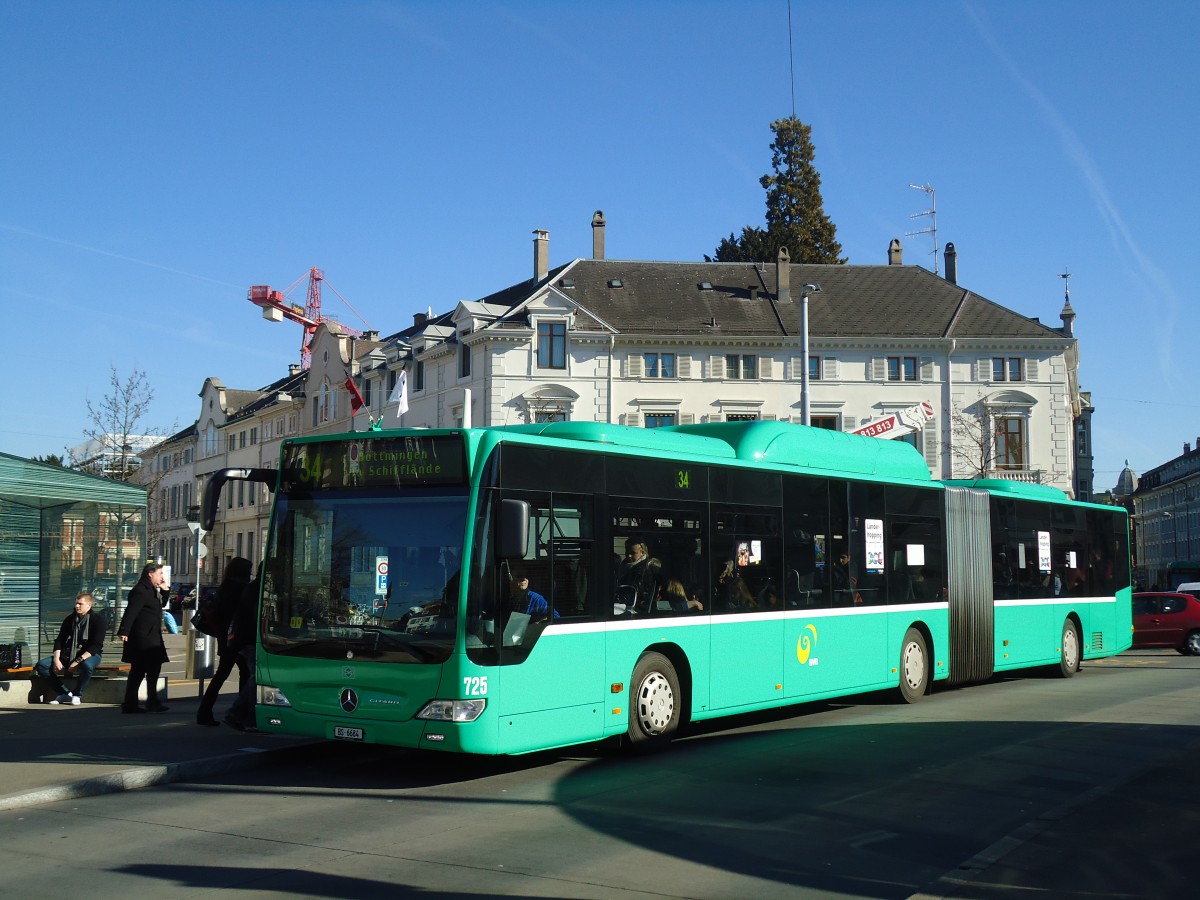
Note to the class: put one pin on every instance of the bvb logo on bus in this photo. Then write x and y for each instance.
(808, 640)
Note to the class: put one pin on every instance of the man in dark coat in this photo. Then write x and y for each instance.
(141, 632)
(77, 651)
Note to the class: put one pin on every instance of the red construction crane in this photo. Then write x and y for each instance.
(276, 308)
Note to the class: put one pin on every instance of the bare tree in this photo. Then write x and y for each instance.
(117, 434)
(115, 430)
(972, 453)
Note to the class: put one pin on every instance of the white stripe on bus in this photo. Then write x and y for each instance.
(693, 620)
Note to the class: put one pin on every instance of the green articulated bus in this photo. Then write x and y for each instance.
(506, 590)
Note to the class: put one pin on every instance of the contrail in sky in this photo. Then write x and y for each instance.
(1150, 274)
(130, 259)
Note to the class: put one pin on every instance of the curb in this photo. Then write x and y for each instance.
(133, 779)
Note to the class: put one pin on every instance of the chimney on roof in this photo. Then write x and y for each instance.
(293, 369)
(951, 263)
(783, 275)
(419, 319)
(895, 253)
(1187, 448)
(753, 292)
(371, 336)
(598, 234)
(541, 254)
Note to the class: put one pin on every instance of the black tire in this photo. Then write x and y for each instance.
(1070, 656)
(914, 666)
(1191, 645)
(654, 704)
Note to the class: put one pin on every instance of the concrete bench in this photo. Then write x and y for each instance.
(20, 687)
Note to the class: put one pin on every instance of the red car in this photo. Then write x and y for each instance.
(1167, 619)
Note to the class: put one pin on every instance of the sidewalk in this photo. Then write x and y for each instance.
(50, 753)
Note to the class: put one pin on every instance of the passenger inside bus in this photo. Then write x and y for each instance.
(676, 597)
(638, 577)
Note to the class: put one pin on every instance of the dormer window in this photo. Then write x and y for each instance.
(615, 283)
(567, 283)
(552, 345)
(706, 286)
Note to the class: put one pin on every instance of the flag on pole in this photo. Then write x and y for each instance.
(399, 393)
(356, 399)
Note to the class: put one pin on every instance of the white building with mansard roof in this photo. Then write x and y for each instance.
(660, 343)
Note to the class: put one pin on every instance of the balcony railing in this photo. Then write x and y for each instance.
(1025, 476)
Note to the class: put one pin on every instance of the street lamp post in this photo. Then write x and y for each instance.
(810, 288)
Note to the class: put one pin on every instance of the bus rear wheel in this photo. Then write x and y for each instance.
(654, 701)
(914, 666)
(1068, 663)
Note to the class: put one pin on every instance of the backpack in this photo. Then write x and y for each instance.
(209, 618)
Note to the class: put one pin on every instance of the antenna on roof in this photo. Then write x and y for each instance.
(932, 213)
(791, 60)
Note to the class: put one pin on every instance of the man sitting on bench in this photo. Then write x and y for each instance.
(77, 651)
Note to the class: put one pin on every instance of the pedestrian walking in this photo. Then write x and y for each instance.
(229, 598)
(243, 638)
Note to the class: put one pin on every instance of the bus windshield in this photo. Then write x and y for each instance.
(365, 575)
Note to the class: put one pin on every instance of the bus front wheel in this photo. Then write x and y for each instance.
(654, 701)
(914, 667)
(1068, 663)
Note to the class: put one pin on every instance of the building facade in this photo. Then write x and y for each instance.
(1166, 507)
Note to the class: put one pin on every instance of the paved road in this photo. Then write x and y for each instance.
(1027, 786)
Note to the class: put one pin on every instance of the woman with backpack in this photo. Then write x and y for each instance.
(237, 576)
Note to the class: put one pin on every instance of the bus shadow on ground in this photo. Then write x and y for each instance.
(884, 810)
(863, 808)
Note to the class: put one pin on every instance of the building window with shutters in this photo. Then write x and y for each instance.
(741, 366)
(901, 368)
(659, 420)
(1010, 442)
(659, 365)
(418, 376)
(828, 422)
(1008, 368)
(814, 368)
(552, 345)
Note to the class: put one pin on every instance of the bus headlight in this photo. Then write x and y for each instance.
(452, 710)
(272, 696)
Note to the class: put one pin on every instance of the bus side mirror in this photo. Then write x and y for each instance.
(512, 529)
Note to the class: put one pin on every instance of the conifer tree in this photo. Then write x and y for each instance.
(795, 211)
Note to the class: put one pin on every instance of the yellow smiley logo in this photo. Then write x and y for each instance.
(804, 646)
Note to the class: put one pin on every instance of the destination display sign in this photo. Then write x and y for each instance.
(366, 462)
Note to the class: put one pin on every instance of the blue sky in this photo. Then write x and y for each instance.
(159, 158)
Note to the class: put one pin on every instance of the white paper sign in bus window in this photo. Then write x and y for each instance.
(915, 555)
(1043, 551)
(874, 535)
